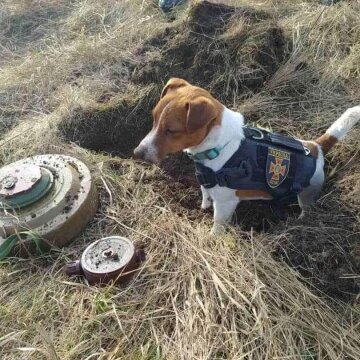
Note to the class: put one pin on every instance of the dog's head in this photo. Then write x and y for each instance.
(182, 118)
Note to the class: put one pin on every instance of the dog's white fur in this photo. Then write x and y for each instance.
(230, 132)
(344, 123)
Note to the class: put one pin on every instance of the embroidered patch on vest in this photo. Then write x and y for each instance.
(277, 166)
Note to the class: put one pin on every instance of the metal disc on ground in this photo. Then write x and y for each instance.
(108, 255)
(50, 196)
(111, 259)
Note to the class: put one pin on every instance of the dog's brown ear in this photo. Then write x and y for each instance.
(173, 84)
(201, 111)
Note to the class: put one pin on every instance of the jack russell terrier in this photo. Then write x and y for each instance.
(234, 162)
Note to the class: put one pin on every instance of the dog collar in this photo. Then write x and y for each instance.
(210, 154)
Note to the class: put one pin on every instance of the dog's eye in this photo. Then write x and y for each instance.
(170, 131)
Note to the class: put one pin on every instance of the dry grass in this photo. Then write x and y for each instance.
(196, 297)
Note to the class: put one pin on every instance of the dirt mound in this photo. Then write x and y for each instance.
(322, 247)
(227, 50)
(350, 186)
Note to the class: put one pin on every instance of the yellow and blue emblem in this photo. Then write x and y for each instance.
(277, 166)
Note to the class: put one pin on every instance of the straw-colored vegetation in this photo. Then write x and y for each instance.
(80, 77)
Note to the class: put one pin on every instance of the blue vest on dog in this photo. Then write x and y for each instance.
(265, 161)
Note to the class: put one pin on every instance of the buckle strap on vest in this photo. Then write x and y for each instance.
(275, 139)
(225, 176)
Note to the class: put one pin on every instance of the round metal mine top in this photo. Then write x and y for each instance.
(107, 255)
(51, 194)
(17, 179)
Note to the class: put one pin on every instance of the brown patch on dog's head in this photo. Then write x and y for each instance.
(172, 85)
(182, 118)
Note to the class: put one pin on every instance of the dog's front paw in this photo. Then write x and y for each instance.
(206, 203)
(218, 229)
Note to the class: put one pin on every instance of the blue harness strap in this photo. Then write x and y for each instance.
(264, 161)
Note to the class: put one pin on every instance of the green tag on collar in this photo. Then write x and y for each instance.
(210, 154)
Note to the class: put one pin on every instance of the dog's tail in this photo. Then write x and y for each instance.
(338, 130)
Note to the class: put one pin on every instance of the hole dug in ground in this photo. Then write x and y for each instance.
(114, 127)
